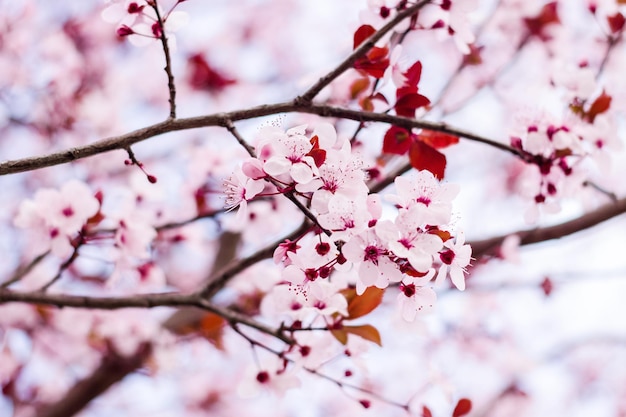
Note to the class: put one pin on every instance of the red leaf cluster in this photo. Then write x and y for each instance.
(408, 98)
(422, 148)
(204, 77)
(376, 61)
(537, 24)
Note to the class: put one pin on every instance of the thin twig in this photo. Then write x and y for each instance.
(22, 272)
(168, 62)
(68, 262)
(229, 125)
(359, 52)
(232, 269)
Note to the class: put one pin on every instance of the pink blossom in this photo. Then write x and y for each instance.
(371, 255)
(425, 190)
(56, 216)
(271, 377)
(416, 297)
(407, 240)
(284, 154)
(454, 258)
(240, 189)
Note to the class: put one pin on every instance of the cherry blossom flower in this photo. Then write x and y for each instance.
(286, 153)
(272, 377)
(407, 240)
(346, 217)
(371, 255)
(425, 190)
(416, 297)
(138, 18)
(57, 216)
(454, 258)
(240, 189)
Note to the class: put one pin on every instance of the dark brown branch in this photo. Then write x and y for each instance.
(113, 368)
(220, 119)
(231, 270)
(68, 262)
(604, 213)
(171, 86)
(23, 271)
(359, 52)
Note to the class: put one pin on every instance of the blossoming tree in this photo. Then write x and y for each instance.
(312, 208)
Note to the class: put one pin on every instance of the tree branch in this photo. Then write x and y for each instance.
(171, 86)
(113, 368)
(221, 119)
(359, 52)
(606, 212)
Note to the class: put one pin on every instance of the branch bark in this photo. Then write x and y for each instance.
(490, 246)
(224, 120)
(112, 369)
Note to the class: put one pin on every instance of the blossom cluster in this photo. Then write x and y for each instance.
(352, 236)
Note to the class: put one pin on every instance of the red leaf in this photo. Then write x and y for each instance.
(438, 140)
(397, 141)
(616, 22)
(546, 16)
(463, 407)
(407, 104)
(381, 97)
(405, 90)
(426, 412)
(600, 105)
(203, 77)
(362, 33)
(423, 156)
(318, 154)
(374, 63)
(413, 74)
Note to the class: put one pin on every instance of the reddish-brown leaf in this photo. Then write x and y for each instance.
(424, 156)
(341, 335)
(366, 331)
(546, 16)
(600, 105)
(438, 140)
(366, 103)
(473, 57)
(397, 140)
(362, 33)
(444, 235)
(365, 303)
(616, 22)
(463, 407)
(358, 87)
